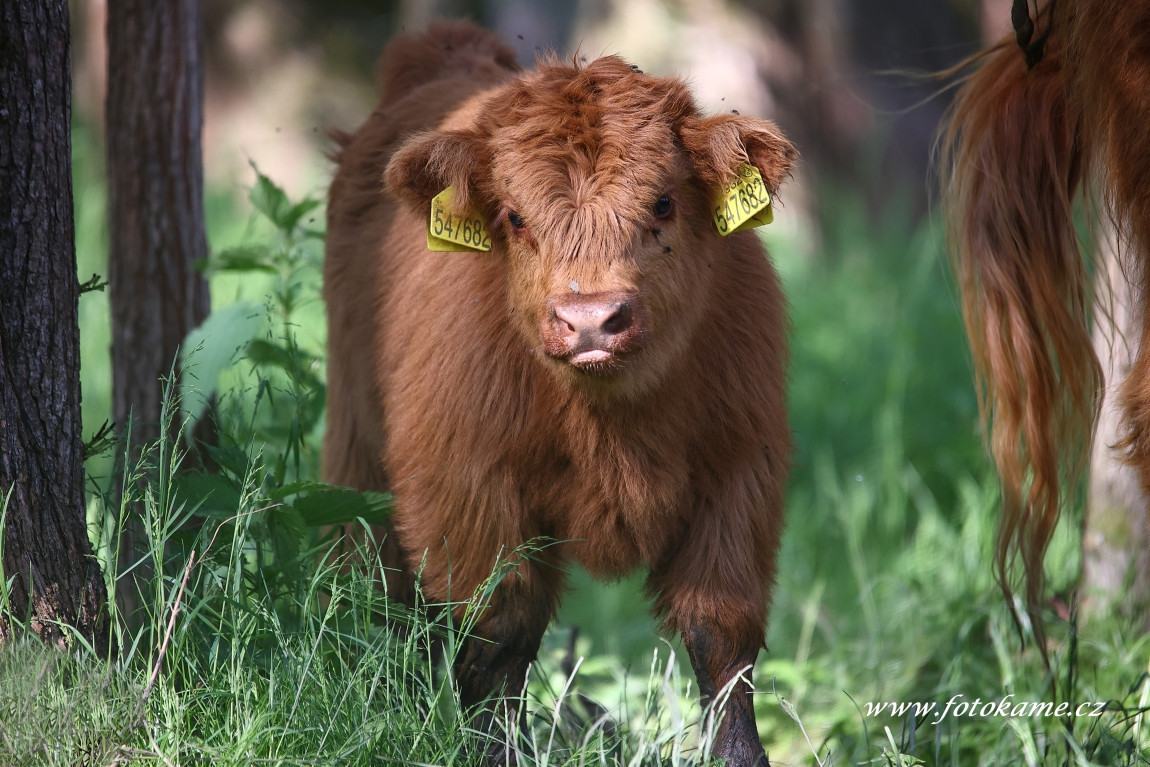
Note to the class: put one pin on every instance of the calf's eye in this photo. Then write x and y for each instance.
(516, 220)
(663, 207)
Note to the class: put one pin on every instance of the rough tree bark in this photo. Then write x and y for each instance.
(155, 198)
(154, 118)
(55, 580)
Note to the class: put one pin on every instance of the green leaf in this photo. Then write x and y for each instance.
(211, 495)
(320, 504)
(210, 348)
(270, 200)
(95, 283)
(296, 364)
(230, 459)
(299, 210)
(264, 352)
(301, 486)
(288, 531)
(101, 442)
(242, 258)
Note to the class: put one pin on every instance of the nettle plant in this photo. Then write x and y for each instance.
(256, 375)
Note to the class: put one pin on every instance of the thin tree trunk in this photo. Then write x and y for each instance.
(56, 582)
(1115, 538)
(155, 213)
(155, 197)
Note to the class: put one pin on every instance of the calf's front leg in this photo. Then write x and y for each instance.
(492, 664)
(717, 659)
(713, 586)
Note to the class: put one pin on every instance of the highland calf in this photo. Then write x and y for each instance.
(609, 373)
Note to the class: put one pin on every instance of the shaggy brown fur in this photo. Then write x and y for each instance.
(611, 375)
(1022, 143)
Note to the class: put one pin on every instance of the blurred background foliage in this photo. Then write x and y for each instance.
(884, 588)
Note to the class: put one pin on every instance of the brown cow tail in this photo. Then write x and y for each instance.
(1013, 162)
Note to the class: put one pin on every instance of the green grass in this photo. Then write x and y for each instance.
(278, 655)
(241, 659)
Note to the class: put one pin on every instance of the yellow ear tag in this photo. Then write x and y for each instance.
(448, 232)
(745, 203)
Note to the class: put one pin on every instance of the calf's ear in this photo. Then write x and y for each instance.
(429, 162)
(719, 145)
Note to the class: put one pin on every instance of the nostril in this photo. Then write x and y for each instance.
(563, 321)
(619, 321)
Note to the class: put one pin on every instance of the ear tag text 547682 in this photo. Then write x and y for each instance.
(450, 232)
(745, 203)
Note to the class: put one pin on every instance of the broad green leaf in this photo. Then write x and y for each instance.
(211, 495)
(210, 348)
(242, 258)
(288, 532)
(297, 364)
(301, 486)
(270, 200)
(299, 210)
(231, 459)
(321, 504)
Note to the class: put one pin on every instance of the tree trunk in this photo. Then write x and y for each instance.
(46, 552)
(1115, 538)
(155, 216)
(155, 198)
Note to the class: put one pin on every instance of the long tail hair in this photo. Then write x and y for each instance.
(1014, 159)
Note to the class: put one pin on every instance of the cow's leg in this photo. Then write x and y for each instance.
(722, 647)
(718, 658)
(503, 643)
(492, 663)
(713, 587)
(458, 553)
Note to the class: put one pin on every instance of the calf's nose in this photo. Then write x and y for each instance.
(595, 321)
(590, 327)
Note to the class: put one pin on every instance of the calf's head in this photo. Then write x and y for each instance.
(598, 186)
